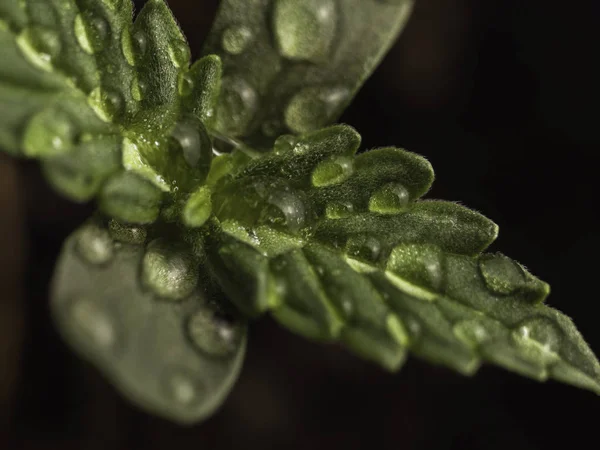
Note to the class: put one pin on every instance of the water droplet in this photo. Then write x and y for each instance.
(338, 210)
(91, 34)
(363, 246)
(333, 171)
(185, 84)
(92, 321)
(539, 335)
(179, 51)
(472, 332)
(285, 207)
(192, 139)
(94, 245)
(40, 46)
(215, 333)
(304, 29)
(48, 133)
(501, 274)
(107, 104)
(181, 387)
(139, 44)
(127, 233)
(236, 39)
(314, 107)
(169, 270)
(237, 106)
(392, 198)
(284, 144)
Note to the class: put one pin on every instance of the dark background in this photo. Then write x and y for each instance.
(501, 96)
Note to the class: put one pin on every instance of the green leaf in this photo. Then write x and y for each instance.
(294, 65)
(89, 92)
(378, 269)
(140, 313)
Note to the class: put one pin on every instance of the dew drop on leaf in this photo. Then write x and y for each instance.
(235, 39)
(334, 171)
(420, 264)
(501, 274)
(169, 270)
(304, 29)
(185, 84)
(285, 144)
(93, 322)
(139, 44)
(48, 133)
(539, 336)
(392, 198)
(237, 106)
(40, 46)
(95, 245)
(313, 107)
(338, 210)
(285, 207)
(363, 246)
(129, 234)
(214, 333)
(193, 141)
(91, 34)
(107, 104)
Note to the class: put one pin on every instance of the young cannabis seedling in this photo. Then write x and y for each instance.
(221, 197)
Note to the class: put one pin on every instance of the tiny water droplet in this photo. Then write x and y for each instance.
(40, 46)
(182, 387)
(363, 246)
(539, 335)
(95, 245)
(501, 274)
(471, 332)
(107, 104)
(338, 210)
(93, 321)
(193, 141)
(333, 171)
(179, 51)
(128, 234)
(285, 207)
(313, 108)
(236, 39)
(304, 29)
(392, 198)
(169, 270)
(48, 133)
(185, 84)
(214, 333)
(237, 106)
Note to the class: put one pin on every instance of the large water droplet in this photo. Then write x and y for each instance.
(185, 84)
(285, 207)
(338, 210)
(91, 320)
(48, 133)
(237, 106)
(236, 39)
(179, 51)
(193, 141)
(107, 104)
(215, 333)
(284, 144)
(128, 234)
(314, 107)
(169, 270)
(421, 264)
(363, 246)
(182, 387)
(304, 29)
(501, 274)
(94, 244)
(40, 46)
(540, 337)
(334, 171)
(472, 332)
(392, 198)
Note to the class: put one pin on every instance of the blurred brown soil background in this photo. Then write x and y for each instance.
(502, 97)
